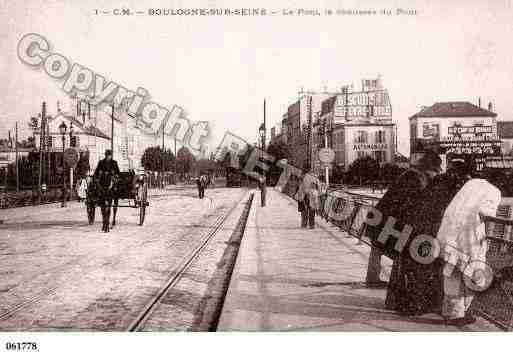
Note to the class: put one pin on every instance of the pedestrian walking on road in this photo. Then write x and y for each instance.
(263, 192)
(82, 189)
(201, 183)
(302, 204)
(314, 204)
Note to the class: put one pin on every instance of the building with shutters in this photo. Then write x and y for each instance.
(297, 126)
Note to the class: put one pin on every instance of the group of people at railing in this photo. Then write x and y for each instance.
(432, 225)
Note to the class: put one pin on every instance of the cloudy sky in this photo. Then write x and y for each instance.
(220, 68)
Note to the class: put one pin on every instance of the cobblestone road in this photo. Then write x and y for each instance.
(59, 273)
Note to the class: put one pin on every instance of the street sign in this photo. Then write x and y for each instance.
(326, 155)
(71, 157)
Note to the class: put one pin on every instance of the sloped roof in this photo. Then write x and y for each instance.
(88, 130)
(454, 109)
(505, 129)
(95, 131)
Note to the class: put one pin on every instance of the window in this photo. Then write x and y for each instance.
(360, 154)
(380, 156)
(361, 137)
(73, 141)
(380, 136)
(49, 141)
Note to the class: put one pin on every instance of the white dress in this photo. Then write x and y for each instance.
(463, 242)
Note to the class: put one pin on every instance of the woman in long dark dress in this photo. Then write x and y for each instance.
(422, 283)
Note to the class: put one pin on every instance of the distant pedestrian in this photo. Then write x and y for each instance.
(302, 204)
(263, 192)
(323, 191)
(314, 204)
(200, 183)
(82, 189)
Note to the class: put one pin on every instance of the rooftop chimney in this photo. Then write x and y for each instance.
(490, 106)
(479, 102)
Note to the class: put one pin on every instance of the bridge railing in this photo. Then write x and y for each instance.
(347, 209)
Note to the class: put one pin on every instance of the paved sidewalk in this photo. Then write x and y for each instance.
(289, 278)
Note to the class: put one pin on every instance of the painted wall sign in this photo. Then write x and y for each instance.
(470, 129)
(369, 146)
(370, 104)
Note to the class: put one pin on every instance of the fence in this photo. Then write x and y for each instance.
(32, 198)
(348, 211)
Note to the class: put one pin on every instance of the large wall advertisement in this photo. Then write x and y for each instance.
(373, 104)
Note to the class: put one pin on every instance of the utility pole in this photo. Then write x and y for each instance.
(47, 156)
(327, 170)
(41, 144)
(162, 158)
(112, 130)
(17, 165)
(309, 133)
(176, 159)
(263, 190)
(265, 130)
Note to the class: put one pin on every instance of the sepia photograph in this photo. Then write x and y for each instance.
(248, 167)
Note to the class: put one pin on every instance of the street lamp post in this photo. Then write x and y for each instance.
(62, 130)
(71, 168)
(263, 180)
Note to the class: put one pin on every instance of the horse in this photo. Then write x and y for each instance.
(107, 195)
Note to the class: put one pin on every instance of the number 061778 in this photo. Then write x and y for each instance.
(21, 346)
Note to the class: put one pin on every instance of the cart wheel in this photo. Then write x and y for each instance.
(91, 209)
(143, 202)
(142, 213)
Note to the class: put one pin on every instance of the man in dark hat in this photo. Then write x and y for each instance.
(107, 165)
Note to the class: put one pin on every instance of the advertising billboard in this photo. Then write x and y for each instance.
(373, 104)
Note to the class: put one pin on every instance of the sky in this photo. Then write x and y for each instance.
(219, 69)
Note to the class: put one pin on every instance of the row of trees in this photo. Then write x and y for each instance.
(158, 160)
(364, 170)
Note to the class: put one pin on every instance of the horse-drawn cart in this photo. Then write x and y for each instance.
(129, 187)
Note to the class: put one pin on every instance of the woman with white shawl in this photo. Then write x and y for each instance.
(462, 239)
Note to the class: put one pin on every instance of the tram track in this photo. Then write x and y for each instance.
(55, 272)
(180, 269)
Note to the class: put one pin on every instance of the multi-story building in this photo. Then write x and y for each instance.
(297, 125)
(455, 129)
(356, 123)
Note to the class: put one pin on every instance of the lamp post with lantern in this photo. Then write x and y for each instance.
(263, 189)
(71, 129)
(62, 129)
